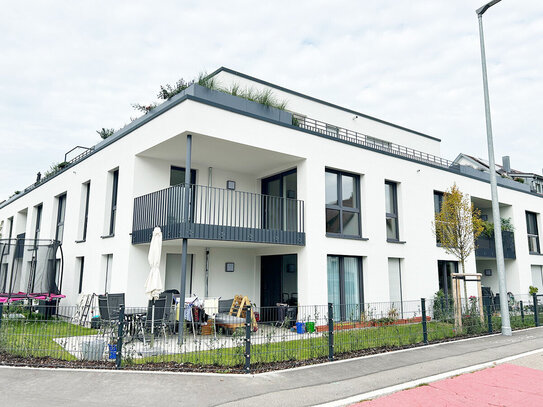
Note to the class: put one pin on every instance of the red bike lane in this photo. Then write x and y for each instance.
(504, 385)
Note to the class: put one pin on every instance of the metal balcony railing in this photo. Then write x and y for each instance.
(369, 141)
(218, 214)
(486, 246)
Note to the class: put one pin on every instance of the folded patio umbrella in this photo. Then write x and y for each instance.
(153, 284)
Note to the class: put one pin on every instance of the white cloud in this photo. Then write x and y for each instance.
(69, 68)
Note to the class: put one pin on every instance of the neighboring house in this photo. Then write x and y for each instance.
(534, 181)
(312, 204)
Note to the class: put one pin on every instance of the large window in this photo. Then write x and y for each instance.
(177, 176)
(345, 288)
(395, 284)
(61, 213)
(537, 277)
(533, 232)
(280, 213)
(114, 190)
(342, 204)
(391, 199)
(37, 228)
(176, 199)
(10, 233)
(438, 203)
(81, 261)
(108, 270)
(86, 197)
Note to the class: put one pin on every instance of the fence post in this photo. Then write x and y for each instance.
(536, 311)
(120, 333)
(521, 304)
(1, 311)
(248, 322)
(489, 316)
(330, 331)
(424, 326)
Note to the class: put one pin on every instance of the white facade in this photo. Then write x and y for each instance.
(242, 147)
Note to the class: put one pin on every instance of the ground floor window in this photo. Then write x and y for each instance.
(108, 270)
(395, 285)
(445, 270)
(81, 263)
(537, 278)
(345, 289)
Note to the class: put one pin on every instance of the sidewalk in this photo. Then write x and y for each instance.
(310, 385)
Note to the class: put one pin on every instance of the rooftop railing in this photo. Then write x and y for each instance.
(369, 141)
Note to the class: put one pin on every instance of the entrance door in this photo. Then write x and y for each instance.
(278, 283)
(279, 206)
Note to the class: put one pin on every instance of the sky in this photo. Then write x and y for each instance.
(70, 68)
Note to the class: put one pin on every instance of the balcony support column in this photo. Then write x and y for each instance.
(184, 247)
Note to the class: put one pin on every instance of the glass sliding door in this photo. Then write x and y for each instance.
(279, 206)
(176, 196)
(351, 272)
(345, 289)
(334, 287)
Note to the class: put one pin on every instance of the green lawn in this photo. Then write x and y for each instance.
(267, 351)
(35, 337)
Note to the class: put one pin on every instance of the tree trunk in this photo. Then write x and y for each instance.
(465, 284)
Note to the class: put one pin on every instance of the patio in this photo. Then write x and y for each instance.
(164, 345)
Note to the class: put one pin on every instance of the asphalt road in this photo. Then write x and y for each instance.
(297, 387)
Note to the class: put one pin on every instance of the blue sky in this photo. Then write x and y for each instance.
(69, 68)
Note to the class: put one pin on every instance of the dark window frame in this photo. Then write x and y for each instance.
(61, 216)
(394, 216)
(533, 234)
(37, 227)
(192, 201)
(277, 203)
(10, 220)
(440, 197)
(86, 214)
(114, 195)
(177, 168)
(81, 269)
(339, 207)
(343, 306)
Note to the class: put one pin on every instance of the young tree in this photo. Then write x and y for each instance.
(457, 226)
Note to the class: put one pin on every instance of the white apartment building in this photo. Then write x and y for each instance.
(314, 203)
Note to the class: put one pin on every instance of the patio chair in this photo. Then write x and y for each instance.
(169, 313)
(157, 320)
(108, 306)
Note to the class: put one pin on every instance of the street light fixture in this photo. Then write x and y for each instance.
(504, 306)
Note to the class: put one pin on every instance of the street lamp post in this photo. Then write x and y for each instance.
(504, 306)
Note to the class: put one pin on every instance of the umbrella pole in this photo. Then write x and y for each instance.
(153, 324)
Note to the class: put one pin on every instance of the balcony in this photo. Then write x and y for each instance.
(201, 212)
(486, 246)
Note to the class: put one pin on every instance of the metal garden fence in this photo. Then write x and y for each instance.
(255, 338)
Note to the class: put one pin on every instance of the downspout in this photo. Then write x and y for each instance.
(208, 204)
(207, 274)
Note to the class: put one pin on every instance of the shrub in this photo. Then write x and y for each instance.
(105, 133)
